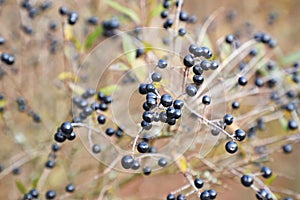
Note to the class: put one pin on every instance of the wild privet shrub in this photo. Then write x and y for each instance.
(152, 101)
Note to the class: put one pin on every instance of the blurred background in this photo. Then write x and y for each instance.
(35, 77)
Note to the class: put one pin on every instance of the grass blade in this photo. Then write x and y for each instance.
(130, 13)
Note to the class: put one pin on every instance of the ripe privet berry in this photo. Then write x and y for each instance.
(66, 128)
(148, 116)
(231, 147)
(205, 195)
(228, 119)
(171, 121)
(205, 65)
(263, 194)
(71, 136)
(266, 172)
(50, 164)
(183, 16)
(27, 196)
(198, 183)
(139, 52)
(70, 188)
(164, 14)
(16, 171)
(177, 114)
(242, 81)
(34, 193)
(101, 119)
(146, 125)
(192, 48)
(127, 161)
(192, 19)
(178, 104)
(259, 82)
(229, 39)
(136, 165)
(198, 79)
(143, 147)
(206, 100)
(96, 148)
(181, 31)
(50, 194)
(214, 65)
(180, 197)
(235, 105)
(63, 10)
(162, 64)
(166, 100)
(171, 197)
(94, 20)
(151, 95)
(212, 194)
(73, 17)
(156, 77)
(247, 180)
(2, 40)
(197, 70)
(191, 90)
(162, 162)
(142, 88)
(110, 131)
(188, 60)
(107, 99)
(207, 53)
(240, 134)
(168, 23)
(7, 58)
(288, 148)
(55, 147)
(147, 171)
(166, 4)
(292, 125)
(170, 112)
(150, 88)
(59, 137)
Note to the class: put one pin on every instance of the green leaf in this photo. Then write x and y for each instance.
(35, 182)
(92, 37)
(289, 59)
(156, 11)
(108, 90)
(284, 123)
(129, 48)
(130, 13)
(77, 43)
(270, 180)
(21, 187)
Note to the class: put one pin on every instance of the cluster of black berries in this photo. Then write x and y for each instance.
(209, 194)
(167, 111)
(110, 26)
(265, 39)
(183, 16)
(239, 134)
(199, 65)
(7, 58)
(34, 11)
(23, 107)
(73, 16)
(65, 131)
(31, 195)
(248, 180)
(87, 108)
